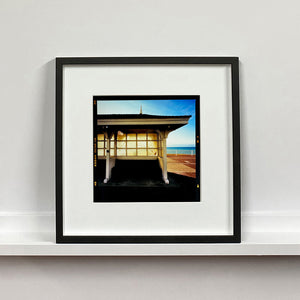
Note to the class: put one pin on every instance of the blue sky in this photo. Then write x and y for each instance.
(184, 136)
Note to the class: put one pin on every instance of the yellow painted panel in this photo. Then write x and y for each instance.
(152, 136)
(141, 144)
(152, 144)
(121, 152)
(131, 152)
(100, 136)
(100, 144)
(152, 152)
(121, 145)
(141, 136)
(100, 152)
(142, 152)
(131, 144)
(121, 136)
(131, 136)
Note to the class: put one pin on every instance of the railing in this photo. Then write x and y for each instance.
(181, 151)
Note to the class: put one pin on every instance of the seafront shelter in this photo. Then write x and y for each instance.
(135, 137)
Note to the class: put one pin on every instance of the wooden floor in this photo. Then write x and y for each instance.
(182, 164)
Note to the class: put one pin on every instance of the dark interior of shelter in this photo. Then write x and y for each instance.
(141, 181)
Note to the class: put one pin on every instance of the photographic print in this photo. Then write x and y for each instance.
(146, 148)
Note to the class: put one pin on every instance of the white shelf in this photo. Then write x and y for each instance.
(19, 237)
(43, 244)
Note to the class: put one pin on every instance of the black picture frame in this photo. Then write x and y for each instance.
(234, 64)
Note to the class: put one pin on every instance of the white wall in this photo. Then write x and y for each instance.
(264, 34)
(236, 278)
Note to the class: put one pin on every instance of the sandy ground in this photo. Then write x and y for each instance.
(182, 164)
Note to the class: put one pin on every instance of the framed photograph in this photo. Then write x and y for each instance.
(147, 150)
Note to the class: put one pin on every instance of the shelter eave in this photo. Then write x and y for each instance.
(166, 121)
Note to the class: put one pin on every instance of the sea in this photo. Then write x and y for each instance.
(181, 150)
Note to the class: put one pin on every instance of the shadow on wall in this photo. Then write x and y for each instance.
(46, 138)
